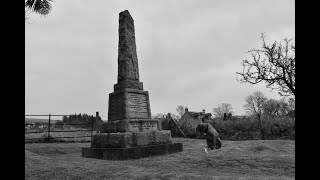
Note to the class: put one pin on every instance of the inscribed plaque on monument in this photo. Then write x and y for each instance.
(143, 126)
(137, 105)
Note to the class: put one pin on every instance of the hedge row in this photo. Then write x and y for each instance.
(246, 128)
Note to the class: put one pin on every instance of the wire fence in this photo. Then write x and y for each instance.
(48, 131)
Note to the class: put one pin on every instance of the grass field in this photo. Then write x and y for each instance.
(39, 121)
(258, 159)
(75, 136)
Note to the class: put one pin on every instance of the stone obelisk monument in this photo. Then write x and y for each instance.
(130, 133)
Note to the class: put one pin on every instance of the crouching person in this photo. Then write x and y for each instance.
(211, 135)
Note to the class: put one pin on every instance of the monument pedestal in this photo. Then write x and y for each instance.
(130, 133)
(131, 125)
(132, 152)
(130, 139)
(131, 145)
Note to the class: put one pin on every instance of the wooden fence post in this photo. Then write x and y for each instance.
(96, 119)
(92, 125)
(49, 127)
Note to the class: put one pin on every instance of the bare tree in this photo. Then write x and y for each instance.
(271, 108)
(292, 104)
(180, 110)
(165, 115)
(254, 106)
(284, 107)
(27, 14)
(274, 64)
(222, 109)
(274, 108)
(41, 7)
(158, 116)
(218, 112)
(175, 116)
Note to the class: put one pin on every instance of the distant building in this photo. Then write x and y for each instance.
(190, 120)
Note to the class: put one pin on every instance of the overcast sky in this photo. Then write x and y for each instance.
(188, 51)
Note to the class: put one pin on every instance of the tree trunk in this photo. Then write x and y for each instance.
(263, 137)
(262, 133)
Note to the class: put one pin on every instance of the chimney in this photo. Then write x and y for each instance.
(203, 111)
(186, 109)
(96, 121)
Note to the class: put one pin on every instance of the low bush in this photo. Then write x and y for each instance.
(248, 128)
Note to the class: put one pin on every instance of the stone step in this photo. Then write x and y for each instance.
(131, 153)
(130, 139)
(131, 125)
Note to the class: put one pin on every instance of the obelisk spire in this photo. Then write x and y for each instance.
(127, 55)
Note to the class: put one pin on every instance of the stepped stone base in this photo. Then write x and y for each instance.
(130, 125)
(130, 139)
(132, 152)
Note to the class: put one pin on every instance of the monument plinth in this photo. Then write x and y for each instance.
(130, 132)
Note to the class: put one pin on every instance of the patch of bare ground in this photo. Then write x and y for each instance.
(270, 159)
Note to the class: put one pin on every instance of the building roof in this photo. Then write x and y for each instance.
(196, 114)
(190, 120)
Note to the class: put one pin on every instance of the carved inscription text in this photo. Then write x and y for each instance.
(143, 126)
(137, 105)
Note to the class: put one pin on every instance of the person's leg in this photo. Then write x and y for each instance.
(214, 142)
(218, 143)
(209, 143)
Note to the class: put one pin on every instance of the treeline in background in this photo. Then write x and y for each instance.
(265, 119)
(81, 120)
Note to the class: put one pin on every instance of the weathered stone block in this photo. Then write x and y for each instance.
(162, 136)
(129, 139)
(131, 125)
(129, 104)
(155, 137)
(143, 138)
(162, 148)
(131, 153)
(121, 154)
(113, 127)
(141, 125)
(128, 84)
(112, 140)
